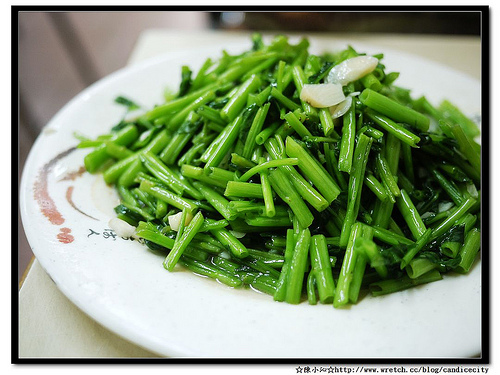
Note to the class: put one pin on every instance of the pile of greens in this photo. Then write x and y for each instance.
(273, 193)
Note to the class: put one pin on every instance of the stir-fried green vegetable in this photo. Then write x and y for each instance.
(243, 177)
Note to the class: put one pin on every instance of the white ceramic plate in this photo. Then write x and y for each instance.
(124, 287)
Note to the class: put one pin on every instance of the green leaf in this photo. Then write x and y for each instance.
(185, 81)
(127, 103)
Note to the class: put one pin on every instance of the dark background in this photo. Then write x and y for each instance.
(459, 23)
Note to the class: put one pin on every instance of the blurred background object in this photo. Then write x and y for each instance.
(458, 23)
(61, 53)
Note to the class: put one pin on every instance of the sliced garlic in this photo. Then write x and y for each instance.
(175, 220)
(352, 69)
(471, 189)
(121, 227)
(340, 109)
(225, 255)
(322, 95)
(426, 215)
(237, 234)
(444, 206)
(145, 134)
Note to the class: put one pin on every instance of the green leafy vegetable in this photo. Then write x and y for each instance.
(127, 103)
(238, 178)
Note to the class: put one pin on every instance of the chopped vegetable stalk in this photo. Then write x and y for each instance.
(268, 166)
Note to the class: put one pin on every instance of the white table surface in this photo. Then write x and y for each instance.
(50, 326)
